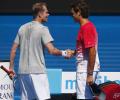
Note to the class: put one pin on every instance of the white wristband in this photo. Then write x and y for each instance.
(64, 53)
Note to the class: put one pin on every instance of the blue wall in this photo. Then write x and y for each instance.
(64, 31)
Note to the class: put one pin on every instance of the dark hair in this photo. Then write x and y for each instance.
(82, 7)
(38, 7)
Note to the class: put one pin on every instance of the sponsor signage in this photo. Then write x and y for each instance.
(69, 80)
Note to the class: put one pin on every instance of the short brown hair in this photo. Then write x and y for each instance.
(38, 7)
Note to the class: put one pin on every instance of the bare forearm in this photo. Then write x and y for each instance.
(12, 55)
(91, 60)
(55, 51)
(52, 50)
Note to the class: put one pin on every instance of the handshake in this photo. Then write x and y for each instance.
(68, 53)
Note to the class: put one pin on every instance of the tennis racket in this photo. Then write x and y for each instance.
(7, 71)
(7, 74)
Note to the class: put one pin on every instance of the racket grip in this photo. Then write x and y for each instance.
(6, 70)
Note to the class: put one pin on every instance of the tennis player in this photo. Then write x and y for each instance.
(32, 38)
(86, 52)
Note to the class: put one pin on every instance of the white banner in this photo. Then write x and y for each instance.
(69, 80)
(6, 84)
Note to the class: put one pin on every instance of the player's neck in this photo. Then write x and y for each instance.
(38, 19)
(83, 21)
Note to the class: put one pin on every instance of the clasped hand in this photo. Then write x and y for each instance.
(70, 53)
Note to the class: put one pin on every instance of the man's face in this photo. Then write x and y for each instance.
(44, 15)
(76, 15)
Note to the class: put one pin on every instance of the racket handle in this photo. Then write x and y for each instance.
(6, 70)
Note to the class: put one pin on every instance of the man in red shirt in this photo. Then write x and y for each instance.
(86, 51)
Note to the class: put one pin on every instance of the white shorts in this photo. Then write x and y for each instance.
(83, 90)
(34, 86)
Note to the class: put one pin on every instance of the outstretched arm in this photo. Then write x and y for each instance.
(54, 51)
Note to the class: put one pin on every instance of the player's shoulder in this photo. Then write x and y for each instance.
(39, 25)
(89, 25)
(43, 27)
(35, 24)
(23, 26)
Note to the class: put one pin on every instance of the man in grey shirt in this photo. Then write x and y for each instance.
(31, 38)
